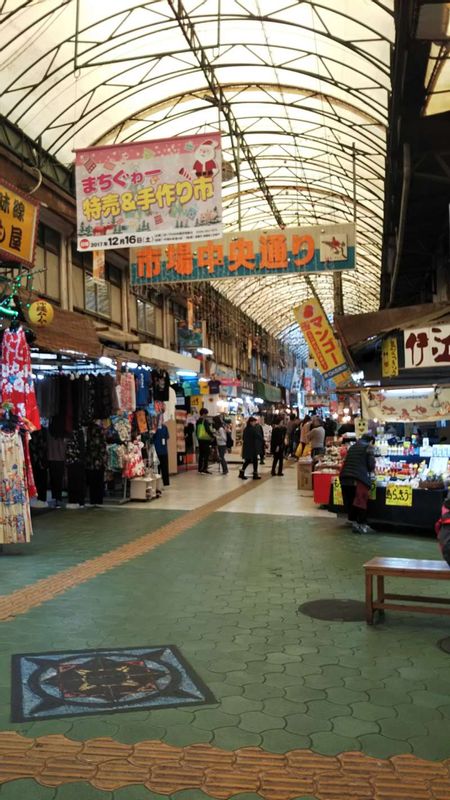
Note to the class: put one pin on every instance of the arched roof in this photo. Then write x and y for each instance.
(299, 85)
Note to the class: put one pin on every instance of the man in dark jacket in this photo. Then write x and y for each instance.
(277, 446)
(356, 482)
(251, 449)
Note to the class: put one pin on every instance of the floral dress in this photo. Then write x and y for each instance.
(15, 518)
(17, 385)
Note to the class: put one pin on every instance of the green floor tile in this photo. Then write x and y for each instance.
(277, 741)
(234, 738)
(26, 790)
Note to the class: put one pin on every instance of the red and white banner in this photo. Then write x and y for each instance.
(165, 191)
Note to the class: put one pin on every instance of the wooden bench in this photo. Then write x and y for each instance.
(403, 568)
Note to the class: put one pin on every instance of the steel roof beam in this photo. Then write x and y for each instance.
(221, 101)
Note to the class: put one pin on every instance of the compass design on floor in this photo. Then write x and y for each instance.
(50, 685)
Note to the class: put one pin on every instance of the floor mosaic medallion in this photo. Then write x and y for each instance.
(74, 683)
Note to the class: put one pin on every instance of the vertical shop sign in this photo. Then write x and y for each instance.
(19, 217)
(322, 342)
(389, 357)
(98, 266)
(167, 191)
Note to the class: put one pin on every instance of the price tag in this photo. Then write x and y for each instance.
(361, 426)
(398, 495)
(338, 500)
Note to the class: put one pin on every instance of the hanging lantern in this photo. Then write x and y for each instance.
(41, 313)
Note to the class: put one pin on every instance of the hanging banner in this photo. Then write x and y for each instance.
(248, 254)
(420, 405)
(19, 217)
(158, 192)
(322, 342)
(98, 266)
(189, 339)
(389, 357)
(427, 347)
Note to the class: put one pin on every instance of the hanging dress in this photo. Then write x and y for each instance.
(17, 385)
(15, 518)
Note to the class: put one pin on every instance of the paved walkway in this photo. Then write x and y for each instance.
(305, 708)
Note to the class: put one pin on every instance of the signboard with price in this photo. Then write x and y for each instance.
(399, 495)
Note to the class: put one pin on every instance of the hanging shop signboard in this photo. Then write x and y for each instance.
(427, 347)
(248, 254)
(399, 495)
(420, 405)
(19, 217)
(144, 193)
(322, 342)
(389, 357)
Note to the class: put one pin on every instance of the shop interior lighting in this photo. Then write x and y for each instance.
(44, 356)
(132, 364)
(335, 415)
(202, 380)
(185, 373)
(258, 400)
(410, 392)
(205, 351)
(346, 410)
(40, 376)
(106, 361)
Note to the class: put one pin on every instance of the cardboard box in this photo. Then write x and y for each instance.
(304, 474)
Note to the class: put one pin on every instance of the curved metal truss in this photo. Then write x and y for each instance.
(299, 92)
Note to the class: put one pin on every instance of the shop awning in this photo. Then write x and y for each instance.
(69, 333)
(169, 359)
(357, 328)
(269, 393)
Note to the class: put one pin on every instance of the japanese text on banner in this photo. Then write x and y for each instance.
(427, 347)
(159, 192)
(321, 341)
(19, 217)
(246, 254)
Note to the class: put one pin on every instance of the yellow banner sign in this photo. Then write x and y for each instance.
(338, 499)
(399, 495)
(322, 342)
(389, 357)
(19, 216)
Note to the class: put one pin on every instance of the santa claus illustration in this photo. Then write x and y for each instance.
(205, 164)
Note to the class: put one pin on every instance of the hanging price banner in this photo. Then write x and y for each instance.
(338, 500)
(398, 495)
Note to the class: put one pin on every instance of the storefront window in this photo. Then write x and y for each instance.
(146, 317)
(97, 296)
(47, 259)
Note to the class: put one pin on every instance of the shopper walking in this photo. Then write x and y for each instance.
(304, 430)
(316, 437)
(356, 481)
(205, 436)
(221, 439)
(261, 443)
(251, 448)
(277, 446)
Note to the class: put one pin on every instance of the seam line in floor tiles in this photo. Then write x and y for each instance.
(109, 765)
(35, 594)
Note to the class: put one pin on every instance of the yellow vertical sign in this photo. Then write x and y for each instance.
(322, 343)
(19, 216)
(389, 357)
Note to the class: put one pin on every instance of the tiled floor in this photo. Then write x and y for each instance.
(225, 588)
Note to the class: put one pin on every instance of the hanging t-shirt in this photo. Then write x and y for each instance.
(127, 392)
(161, 384)
(214, 387)
(160, 438)
(143, 390)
